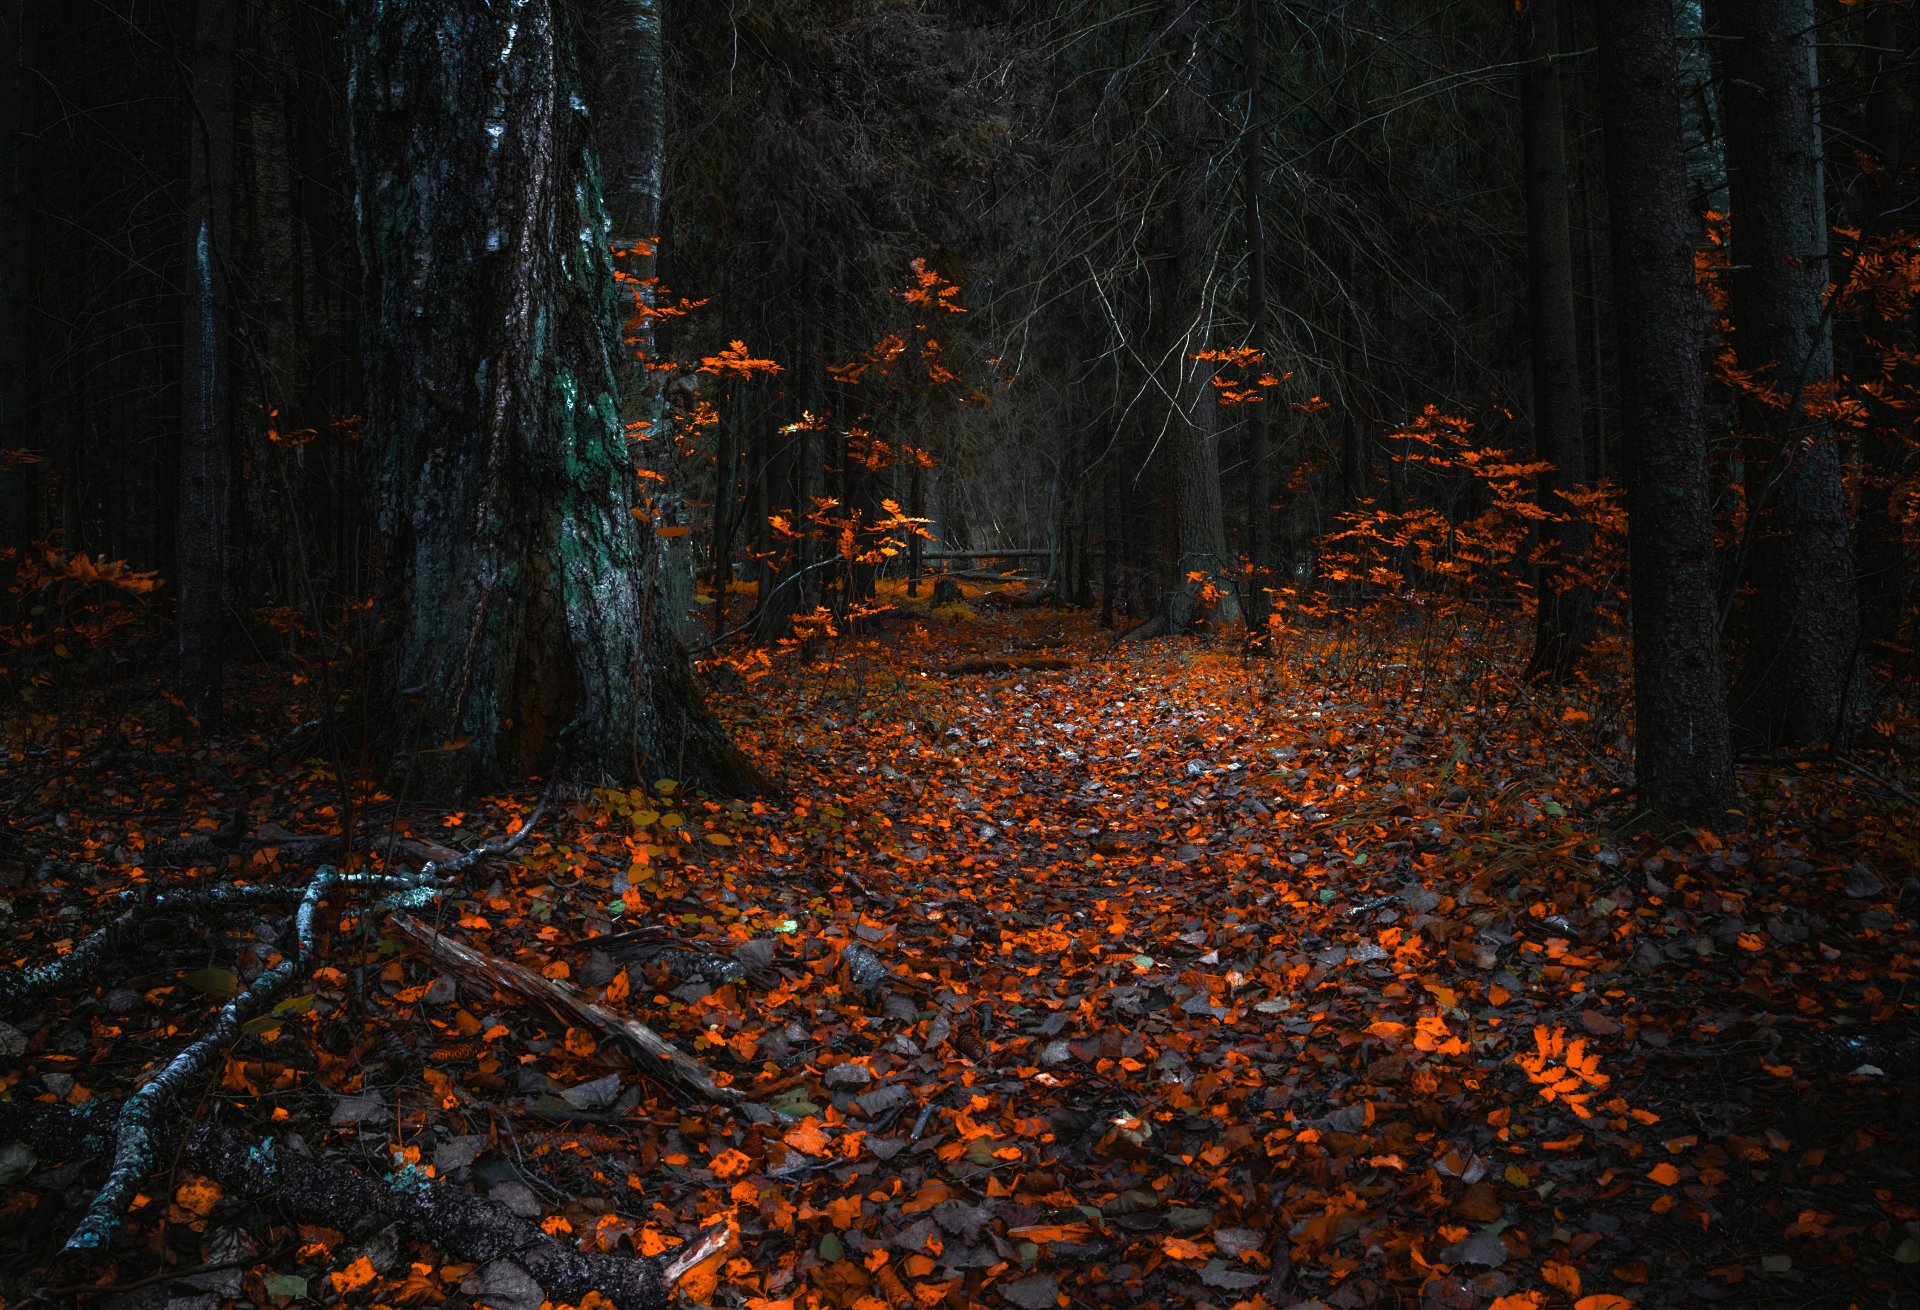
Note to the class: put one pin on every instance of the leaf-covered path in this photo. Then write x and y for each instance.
(1103, 975)
(1226, 984)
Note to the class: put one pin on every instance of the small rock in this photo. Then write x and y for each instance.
(12, 1040)
(443, 991)
(57, 1083)
(122, 1001)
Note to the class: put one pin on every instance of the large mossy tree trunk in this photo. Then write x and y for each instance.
(1802, 623)
(523, 638)
(1682, 757)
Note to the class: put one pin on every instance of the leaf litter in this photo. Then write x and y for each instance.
(1154, 978)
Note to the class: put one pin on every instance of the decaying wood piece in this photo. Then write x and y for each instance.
(449, 1218)
(673, 1063)
(466, 1227)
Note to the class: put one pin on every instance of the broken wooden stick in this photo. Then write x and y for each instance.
(479, 967)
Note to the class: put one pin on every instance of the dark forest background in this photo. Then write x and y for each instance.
(1270, 310)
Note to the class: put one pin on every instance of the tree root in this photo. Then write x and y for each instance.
(448, 1218)
(333, 1194)
(135, 1151)
(668, 1060)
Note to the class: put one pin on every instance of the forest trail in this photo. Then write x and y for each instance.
(1223, 984)
(1165, 978)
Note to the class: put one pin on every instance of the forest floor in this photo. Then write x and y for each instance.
(1200, 982)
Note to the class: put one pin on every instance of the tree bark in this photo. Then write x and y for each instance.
(206, 366)
(1564, 621)
(16, 264)
(1198, 514)
(630, 110)
(1682, 756)
(1886, 562)
(518, 611)
(1802, 624)
(1259, 413)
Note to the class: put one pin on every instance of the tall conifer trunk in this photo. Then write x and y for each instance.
(1802, 626)
(1564, 625)
(517, 603)
(18, 507)
(1259, 414)
(206, 426)
(1198, 515)
(630, 109)
(1682, 757)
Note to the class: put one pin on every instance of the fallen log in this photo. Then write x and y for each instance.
(673, 1064)
(449, 1218)
(267, 1174)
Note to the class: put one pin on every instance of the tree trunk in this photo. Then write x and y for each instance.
(1259, 413)
(1198, 515)
(630, 111)
(206, 366)
(517, 606)
(1682, 756)
(1564, 623)
(1802, 625)
(18, 507)
(1886, 562)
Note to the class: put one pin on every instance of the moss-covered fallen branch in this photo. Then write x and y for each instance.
(135, 1148)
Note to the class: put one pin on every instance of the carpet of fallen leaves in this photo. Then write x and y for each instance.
(1207, 982)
